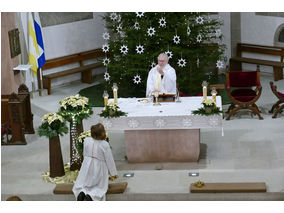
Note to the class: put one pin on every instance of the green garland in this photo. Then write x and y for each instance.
(52, 128)
(207, 110)
(112, 111)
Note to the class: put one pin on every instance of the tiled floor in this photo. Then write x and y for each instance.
(251, 150)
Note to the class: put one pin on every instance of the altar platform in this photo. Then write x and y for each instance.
(250, 151)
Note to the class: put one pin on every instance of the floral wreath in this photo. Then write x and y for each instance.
(112, 111)
(209, 108)
(52, 125)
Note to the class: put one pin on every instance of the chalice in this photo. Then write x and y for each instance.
(156, 95)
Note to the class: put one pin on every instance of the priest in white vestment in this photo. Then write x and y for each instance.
(98, 164)
(162, 77)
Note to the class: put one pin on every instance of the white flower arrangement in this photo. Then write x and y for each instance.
(51, 117)
(209, 102)
(75, 106)
(52, 125)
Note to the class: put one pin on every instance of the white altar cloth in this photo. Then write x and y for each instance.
(170, 115)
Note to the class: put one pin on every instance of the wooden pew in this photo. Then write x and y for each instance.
(85, 70)
(236, 62)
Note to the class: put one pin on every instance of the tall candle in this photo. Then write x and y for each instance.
(115, 95)
(105, 101)
(204, 93)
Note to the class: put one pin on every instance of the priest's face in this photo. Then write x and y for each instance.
(162, 61)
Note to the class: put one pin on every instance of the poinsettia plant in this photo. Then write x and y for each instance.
(75, 106)
(209, 108)
(112, 111)
(52, 125)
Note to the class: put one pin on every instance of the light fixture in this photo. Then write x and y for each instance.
(193, 174)
(130, 174)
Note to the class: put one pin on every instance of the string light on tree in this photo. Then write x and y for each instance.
(119, 28)
(139, 14)
(219, 64)
(113, 16)
(169, 54)
(218, 33)
(105, 48)
(181, 62)
(124, 49)
(137, 79)
(139, 49)
(199, 38)
(197, 62)
(151, 31)
(162, 22)
(106, 36)
(176, 39)
(136, 26)
(106, 76)
(106, 61)
(199, 20)
(153, 64)
(188, 31)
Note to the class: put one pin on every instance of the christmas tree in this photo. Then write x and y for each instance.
(192, 42)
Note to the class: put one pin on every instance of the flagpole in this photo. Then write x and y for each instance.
(41, 86)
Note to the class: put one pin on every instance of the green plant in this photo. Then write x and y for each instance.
(112, 111)
(75, 106)
(52, 125)
(209, 108)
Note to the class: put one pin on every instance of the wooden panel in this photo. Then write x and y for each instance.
(4, 109)
(113, 188)
(229, 187)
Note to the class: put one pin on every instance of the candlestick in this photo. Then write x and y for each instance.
(204, 85)
(105, 96)
(115, 88)
(214, 93)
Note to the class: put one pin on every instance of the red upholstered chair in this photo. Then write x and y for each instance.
(279, 105)
(245, 92)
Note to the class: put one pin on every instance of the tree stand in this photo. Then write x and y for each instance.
(55, 158)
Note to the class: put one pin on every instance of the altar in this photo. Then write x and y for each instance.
(165, 133)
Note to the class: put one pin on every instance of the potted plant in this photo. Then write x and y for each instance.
(52, 126)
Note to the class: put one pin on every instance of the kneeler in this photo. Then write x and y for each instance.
(113, 188)
(240, 86)
(279, 105)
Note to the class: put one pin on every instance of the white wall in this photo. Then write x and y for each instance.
(257, 29)
(226, 31)
(66, 39)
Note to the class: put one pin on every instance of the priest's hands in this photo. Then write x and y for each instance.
(112, 178)
(160, 70)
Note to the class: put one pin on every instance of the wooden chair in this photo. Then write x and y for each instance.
(279, 105)
(243, 96)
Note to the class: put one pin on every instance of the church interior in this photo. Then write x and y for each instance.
(238, 154)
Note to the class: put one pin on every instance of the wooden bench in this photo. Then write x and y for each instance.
(236, 62)
(229, 187)
(85, 70)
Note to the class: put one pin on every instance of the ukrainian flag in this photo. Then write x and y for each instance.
(39, 38)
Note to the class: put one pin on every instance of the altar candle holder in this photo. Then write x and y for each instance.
(214, 93)
(204, 89)
(105, 96)
(114, 89)
(156, 95)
